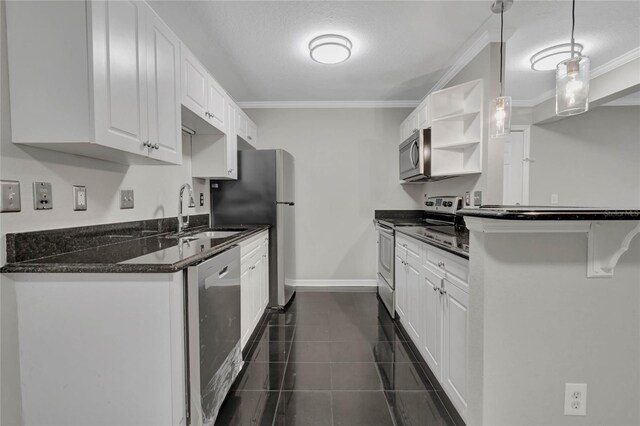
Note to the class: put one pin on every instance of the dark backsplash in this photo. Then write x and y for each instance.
(36, 244)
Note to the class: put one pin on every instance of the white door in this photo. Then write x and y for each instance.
(241, 125)
(257, 279)
(515, 188)
(400, 281)
(265, 283)
(414, 303)
(120, 77)
(431, 348)
(163, 80)
(194, 83)
(245, 304)
(216, 104)
(454, 360)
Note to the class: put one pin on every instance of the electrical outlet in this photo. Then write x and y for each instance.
(10, 196)
(126, 198)
(477, 198)
(467, 199)
(201, 199)
(79, 197)
(554, 199)
(42, 196)
(575, 399)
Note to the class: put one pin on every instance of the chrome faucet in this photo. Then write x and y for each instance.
(182, 224)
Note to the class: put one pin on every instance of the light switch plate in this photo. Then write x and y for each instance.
(10, 197)
(42, 196)
(477, 198)
(126, 198)
(79, 197)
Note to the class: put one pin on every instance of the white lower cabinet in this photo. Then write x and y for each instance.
(432, 302)
(254, 283)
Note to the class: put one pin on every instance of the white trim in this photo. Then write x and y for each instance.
(596, 72)
(328, 104)
(624, 102)
(334, 283)
(526, 152)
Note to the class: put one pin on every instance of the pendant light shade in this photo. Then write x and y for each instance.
(500, 124)
(572, 86)
(500, 120)
(572, 79)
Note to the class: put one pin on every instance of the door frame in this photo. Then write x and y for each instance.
(526, 152)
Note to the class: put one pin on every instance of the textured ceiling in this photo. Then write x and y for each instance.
(258, 49)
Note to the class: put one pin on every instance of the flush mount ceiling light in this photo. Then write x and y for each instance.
(330, 49)
(549, 58)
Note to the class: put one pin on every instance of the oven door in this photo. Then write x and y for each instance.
(385, 254)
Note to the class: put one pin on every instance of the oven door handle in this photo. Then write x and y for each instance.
(414, 161)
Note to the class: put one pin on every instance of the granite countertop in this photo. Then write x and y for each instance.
(421, 233)
(549, 213)
(159, 253)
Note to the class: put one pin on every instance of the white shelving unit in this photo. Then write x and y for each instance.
(456, 130)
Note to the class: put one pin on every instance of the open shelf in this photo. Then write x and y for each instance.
(458, 116)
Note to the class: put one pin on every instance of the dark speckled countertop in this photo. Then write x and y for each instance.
(162, 252)
(549, 213)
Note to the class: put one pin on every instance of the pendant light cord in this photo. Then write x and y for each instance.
(502, 43)
(573, 26)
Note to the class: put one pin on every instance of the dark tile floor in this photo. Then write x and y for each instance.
(332, 359)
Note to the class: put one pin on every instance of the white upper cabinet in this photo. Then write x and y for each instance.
(216, 103)
(246, 129)
(204, 100)
(163, 82)
(79, 70)
(194, 83)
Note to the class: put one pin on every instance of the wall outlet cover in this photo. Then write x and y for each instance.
(477, 198)
(42, 196)
(201, 199)
(126, 198)
(10, 196)
(575, 399)
(467, 199)
(79, 197)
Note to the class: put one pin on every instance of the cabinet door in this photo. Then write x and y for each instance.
(258, 277)
(400, 282)
(241, 126)
(216, 104)
(252, 133)
(265, 279)
(120, 78)
(194, 83)
(432, 300)
(163, 82)
(232, 141)
(422, 116)
(454, 360)
(414, 303)
(245, 305)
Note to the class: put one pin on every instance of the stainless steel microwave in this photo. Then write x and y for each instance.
(415, 158)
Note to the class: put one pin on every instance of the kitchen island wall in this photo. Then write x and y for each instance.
(346, 166)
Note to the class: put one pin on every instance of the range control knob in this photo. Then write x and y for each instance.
(429, 203)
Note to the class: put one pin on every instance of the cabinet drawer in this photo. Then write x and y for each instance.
(251, 246)
(411, 245)
(455, 269)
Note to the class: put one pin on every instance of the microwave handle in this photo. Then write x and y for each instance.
(414, 161)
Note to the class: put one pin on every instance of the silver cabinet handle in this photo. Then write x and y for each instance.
(156, 146)
(146, 143)
(441, 264)
(435, 288)
(249, 137)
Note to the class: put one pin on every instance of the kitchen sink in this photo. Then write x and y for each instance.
(204, 234)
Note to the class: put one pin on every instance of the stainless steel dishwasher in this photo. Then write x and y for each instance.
(213, 326)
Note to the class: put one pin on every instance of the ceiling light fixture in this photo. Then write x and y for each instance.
(500, 124)
(330, 49)
(572, 79)
(549, 58)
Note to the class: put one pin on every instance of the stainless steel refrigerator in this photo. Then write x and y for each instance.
(263, 194)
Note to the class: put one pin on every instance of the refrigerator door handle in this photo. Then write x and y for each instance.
(287, 203)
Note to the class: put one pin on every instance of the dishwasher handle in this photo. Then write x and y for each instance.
(223, 272)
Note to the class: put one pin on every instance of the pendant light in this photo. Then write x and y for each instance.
(572, 79)
(500, 124)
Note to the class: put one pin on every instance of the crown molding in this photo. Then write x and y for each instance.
(328, 104)
(621, 60)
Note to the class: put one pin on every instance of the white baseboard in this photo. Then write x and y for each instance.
(335, 285)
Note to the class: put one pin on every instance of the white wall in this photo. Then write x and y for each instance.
(592, 159)
(156, 195)
(346, 167)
